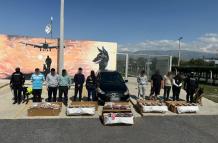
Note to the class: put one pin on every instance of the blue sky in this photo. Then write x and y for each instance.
(133, 24)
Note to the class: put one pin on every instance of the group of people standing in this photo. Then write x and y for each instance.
(54, 84)
(167, 83)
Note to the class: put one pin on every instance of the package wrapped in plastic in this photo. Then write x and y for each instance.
(46, 105)
(116, 106)
(118, 118)
(187, 109)
(80, 111)
(156, 109)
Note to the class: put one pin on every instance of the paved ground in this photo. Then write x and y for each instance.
(16, 127)
(167, 129)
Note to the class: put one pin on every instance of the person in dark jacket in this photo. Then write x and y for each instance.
(16, 83)
(177, 84)
(91, 85)
(190, 86)
(79, 80)
(156, 84)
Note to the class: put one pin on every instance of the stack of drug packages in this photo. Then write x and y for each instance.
(45, 109)
(182, 107)
(77, 108)
(151, 106)
(117, 113)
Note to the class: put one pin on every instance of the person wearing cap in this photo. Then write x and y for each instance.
(79, 80)
(37, 79)
(16, 83)
(52, 85)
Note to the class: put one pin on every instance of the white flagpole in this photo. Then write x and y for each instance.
(61, 48)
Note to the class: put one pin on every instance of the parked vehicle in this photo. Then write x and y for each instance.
(111, 87)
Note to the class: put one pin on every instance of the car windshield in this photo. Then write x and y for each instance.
(111, 77)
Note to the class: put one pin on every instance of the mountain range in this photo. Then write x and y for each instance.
(185, 54)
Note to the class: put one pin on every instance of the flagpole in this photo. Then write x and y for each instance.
(61, 48)
(51, 20)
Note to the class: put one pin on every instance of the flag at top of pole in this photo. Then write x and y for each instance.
(48, 27)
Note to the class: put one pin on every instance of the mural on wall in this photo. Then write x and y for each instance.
(29, 53)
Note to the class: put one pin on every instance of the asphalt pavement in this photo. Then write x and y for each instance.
(150, 129)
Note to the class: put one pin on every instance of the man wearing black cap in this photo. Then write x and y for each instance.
(79, 80)
(16, 83)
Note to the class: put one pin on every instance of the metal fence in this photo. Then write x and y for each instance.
(132, 64)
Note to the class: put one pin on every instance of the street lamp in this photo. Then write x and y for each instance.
(180, 38)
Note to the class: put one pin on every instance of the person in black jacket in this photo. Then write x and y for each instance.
(156, 84)
(79, 80)
(190, 86)
(16, 83)
(91, 85)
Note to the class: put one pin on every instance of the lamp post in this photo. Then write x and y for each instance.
(180, 38)
(61, 48)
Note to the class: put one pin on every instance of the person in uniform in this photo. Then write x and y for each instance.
(16, 83)
(190, 86)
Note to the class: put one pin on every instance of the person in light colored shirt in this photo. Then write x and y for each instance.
(142, 82)
(167, 85)
(37, 79)
(52, 85)
(64, 85)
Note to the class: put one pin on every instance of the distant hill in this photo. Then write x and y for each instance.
(185, 54)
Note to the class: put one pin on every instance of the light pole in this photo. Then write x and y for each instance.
(61, 48)
(180, 38)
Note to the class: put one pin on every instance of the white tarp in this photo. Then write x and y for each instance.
(187, 109)
(81, 111)
(108, 120)
(158, 109)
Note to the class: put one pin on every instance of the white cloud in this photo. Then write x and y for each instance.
(205, 43)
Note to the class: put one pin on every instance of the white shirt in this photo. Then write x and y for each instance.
(52, 80)
(142, 80)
